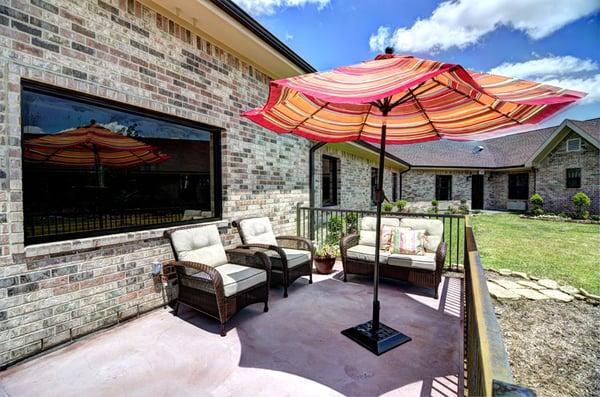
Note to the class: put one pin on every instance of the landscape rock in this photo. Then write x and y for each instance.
(521, 274)
(530, 294)
(557, 295)
(534, 278)
(588, 295)
(507, 284)
(547, 283)
(568, 289)
(500, 293)
(530, 284)
(504, 272)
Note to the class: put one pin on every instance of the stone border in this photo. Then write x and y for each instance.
(533, 288)
(556, 218)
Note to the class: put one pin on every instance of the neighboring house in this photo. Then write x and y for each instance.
(503, 173)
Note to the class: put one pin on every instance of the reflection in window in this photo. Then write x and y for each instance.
(518, 186)
(93, 168)
(330, 181)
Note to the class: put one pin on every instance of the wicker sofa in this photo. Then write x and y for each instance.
(291, 256)
(213, 281)
(358, 253)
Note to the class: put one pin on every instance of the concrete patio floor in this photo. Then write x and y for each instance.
(295, 349)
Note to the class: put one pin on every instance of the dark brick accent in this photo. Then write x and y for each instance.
(11, 12)
(64, 271)
(23, 289)
(126, 266)
(45, 5)
(44, 44)
(75, 73)
(141, 31)
(42, 24)
(7, 282)
(82, 48)
(108, 7)
(37, 276)
(2, 316)
(83, 31)
(120, 21)
(80, 276)
(156, 53)
(147, 72)
(139, 45)
(4, 20)
(26, 28)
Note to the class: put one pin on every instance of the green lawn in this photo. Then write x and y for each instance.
(566, 252)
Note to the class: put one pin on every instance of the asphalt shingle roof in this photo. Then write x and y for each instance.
(506, 151)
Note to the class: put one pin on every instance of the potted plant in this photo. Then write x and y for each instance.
(325, 256)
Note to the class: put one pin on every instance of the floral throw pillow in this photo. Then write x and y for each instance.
(387, 233)
(408, 241)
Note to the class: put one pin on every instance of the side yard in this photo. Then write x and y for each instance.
(566, 252)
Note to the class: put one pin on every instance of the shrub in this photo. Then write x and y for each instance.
(388, 207)
(595, 218)
(582, 202)
(401, 204)
(351, 222)
(463, 208)
(327, 250)
(537, 211)
(335, 228)
(434, 207)
(536, 200)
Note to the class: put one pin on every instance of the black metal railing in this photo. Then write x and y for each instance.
(47, 226)
(323, 224)
(488, 369)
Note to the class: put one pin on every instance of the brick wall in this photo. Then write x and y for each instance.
(53, 292)
(551, 176)
(354, 188)
(418, 185)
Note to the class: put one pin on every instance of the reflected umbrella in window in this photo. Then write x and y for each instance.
(91, 146)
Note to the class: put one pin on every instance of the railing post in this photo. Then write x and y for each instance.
(298, 205)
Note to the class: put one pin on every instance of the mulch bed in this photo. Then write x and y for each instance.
(554, 347)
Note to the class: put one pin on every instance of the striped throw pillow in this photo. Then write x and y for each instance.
(408, 241)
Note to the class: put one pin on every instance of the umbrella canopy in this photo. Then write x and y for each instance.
(398, 100)
(91, 146)
(425, 100)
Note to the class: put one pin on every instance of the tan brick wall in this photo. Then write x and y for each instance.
(52, 292)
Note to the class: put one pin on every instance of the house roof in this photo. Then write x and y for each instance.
(503, 152)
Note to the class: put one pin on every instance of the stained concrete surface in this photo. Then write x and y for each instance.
(295, 349)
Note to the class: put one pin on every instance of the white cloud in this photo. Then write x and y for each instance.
(560, 71)
(460, 23)
(268, 7)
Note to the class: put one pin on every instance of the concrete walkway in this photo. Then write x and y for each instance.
(295, 349)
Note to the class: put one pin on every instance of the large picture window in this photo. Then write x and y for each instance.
(93, 167)
(443, 187)
(330, 181)
(518, 186)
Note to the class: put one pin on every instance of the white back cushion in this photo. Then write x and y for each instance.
(434, 230)
(258, 231)
(199, 244)
(368, 225)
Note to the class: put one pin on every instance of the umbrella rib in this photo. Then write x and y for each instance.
(362, 127)
(478, 101)
(311, 116)
(424, 112)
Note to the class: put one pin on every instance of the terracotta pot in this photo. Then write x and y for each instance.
(324, 264)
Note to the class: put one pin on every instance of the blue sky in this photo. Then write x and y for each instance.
(554, 41)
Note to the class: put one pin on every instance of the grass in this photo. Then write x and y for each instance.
(566, 252)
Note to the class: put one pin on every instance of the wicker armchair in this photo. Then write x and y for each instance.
(358, 253)
(291, 256)
(213, 281)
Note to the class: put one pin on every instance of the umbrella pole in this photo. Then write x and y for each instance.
(373, 335)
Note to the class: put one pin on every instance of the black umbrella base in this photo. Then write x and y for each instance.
(379, 342)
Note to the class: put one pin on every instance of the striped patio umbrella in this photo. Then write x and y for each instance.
(398, 99)
(91, 146)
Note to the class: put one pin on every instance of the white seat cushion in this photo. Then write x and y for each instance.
(294, 257)
(257, 231)
(366, 253)
(199, 244)
(368, 224)
(238, 278)
(425, 262)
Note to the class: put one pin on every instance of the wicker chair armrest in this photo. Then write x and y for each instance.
(440, 256)
(279, 250)
(250, 258)
(348, 241)
(303, 241)
(213, 276)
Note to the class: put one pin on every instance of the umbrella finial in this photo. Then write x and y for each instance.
(389, 50)
(92, 122)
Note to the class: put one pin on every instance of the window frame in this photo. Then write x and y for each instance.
(394, 186)
(334, 180)
(578, 140)
(511, 194)
(374, 180)
(216, 132)
(576, 178)
(438, 179)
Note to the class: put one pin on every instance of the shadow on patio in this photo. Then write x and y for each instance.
(294, 349)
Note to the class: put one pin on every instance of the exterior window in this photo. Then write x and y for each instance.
(394, 186)
(573, 145)
(443, 187)
(373, 183)
(518, 186)
(574, 177)
(90, 189)
(330, 181)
